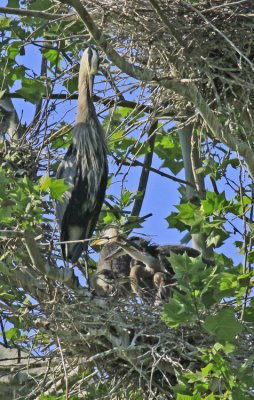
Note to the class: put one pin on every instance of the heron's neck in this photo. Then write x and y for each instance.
(85, 104)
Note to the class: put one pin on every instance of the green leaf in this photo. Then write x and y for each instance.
(227, 281)
(176, 313)
(45, 182)
(189, 270)
(228, 348)
(189, 214)
(71, 84)
(124, 111)
(109, 217)
(52, 55)
(4, 22)
(62, 137)
(214, 202)
(3, 183)
(17, 73)
(14, 49)
(32, 90)
(12, 333)
(168, 149)
(3, 268)
(57, 188)
(216, 237)
(223, 325)
(112, 121)
(174, 222)
(249, 312)
(188, 397)
(6, 214)
(238, 394)
(126, 197)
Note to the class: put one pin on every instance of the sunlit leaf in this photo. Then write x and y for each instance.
(187, 397)
(4, 22)
(190, 214)
(52, 55)
(12, 333)
(214, 202)
(57, 188)
(45, 182)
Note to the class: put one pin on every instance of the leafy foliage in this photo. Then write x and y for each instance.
(20, 202)
(56, 187)
(168, 149)
(210, 315)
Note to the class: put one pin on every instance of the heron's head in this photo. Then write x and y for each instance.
(91, 62)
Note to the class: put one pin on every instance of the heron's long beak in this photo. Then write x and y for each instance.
(91, 82)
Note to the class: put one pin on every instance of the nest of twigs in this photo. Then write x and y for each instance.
(209, 43)
(119, 343)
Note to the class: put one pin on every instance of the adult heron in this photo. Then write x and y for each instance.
(84, 168)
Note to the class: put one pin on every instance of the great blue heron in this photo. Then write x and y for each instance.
(84, 167)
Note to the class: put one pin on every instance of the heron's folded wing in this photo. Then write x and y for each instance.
(66, 171)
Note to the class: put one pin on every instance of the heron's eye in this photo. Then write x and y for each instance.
(93, 60)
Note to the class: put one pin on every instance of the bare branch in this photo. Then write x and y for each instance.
(63, 275)
(34, 13)
(145, 170)
(191, 163)
(122, 102)
(220, 33)
(165, 21)
(131, 162)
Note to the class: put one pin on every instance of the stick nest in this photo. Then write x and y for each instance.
(209, 43)
(112, 342)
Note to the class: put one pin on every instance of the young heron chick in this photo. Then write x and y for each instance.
(84, 167)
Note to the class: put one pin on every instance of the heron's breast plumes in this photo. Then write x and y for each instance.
(90, 145)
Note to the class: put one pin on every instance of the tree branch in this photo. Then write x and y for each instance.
(145, 170)
(191, 162)
(136, 163)
(122, 102)
(34, 13)
(63, 275)
(187, 90)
